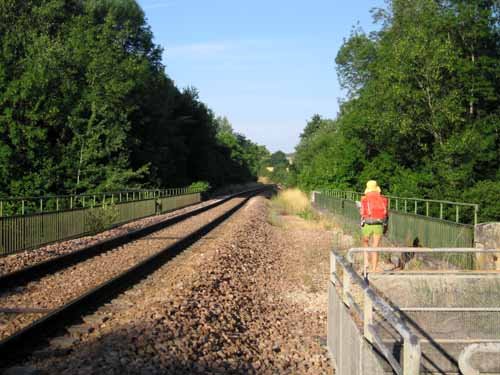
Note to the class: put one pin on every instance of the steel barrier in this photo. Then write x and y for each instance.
(346, 339)
(28, 231)
(412, 228)
(414, 322)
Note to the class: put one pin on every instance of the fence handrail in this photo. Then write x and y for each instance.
(412, 350)
(407, 198)
(115, 192)
(353, 195)
(353, 250)
(385, 309)
(18, 205)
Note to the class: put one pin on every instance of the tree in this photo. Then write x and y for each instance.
(86, 105)
(421, 114)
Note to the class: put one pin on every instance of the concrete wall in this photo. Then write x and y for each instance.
(487, 236)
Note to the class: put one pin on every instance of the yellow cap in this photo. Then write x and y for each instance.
(372, 186)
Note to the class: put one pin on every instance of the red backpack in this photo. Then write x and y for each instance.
(374, 208)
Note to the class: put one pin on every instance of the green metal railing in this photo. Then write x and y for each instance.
(24, 226)
(12, 206)
(412, 221)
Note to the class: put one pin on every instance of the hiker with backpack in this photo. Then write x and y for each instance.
(374, 220)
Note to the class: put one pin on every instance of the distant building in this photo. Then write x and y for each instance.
(290, 157)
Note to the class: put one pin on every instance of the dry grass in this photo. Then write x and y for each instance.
(275, 219)
(295, 204)
(292, 202)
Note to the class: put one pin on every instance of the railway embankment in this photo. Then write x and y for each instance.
(249, 297)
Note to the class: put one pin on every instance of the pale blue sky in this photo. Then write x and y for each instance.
(266, 65)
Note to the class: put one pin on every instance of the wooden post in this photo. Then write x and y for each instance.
(411, 357)
(333, 267)
(346, 287)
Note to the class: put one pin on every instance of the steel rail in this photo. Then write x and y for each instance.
(38, 270)
(24, 341)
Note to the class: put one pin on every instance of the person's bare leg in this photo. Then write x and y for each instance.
(374, 255)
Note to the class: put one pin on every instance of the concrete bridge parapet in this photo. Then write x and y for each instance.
(487, 236)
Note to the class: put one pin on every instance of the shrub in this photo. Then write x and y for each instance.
(200, 186)
(98, 219)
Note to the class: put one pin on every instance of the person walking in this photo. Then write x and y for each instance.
(374, 220)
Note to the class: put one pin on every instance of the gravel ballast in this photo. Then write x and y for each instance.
(238, 301)
(56, 289)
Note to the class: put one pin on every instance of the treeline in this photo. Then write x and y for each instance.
(422, 113)
(86, 105)
(276, 168)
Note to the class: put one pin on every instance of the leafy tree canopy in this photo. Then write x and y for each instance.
(86, 105)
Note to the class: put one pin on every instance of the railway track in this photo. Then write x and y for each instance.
(34, 310)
